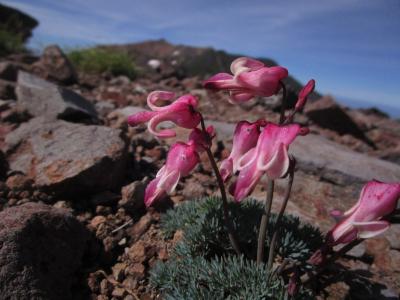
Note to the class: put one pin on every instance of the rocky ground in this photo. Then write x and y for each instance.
(72, 178)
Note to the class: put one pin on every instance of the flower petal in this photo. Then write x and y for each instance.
(159, 95)
(161, 171)
(370, 229)
(304, 93)
(152, 126)
(278, 165)
(240, 97)
(152, 192)
(140, 117)
(244, 64)
(377, 199)
(219, 81)
(336, 214)
(169, 181)
(226, 168)
(246, 182)
(246, 159)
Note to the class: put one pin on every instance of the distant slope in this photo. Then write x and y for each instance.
(193, 61)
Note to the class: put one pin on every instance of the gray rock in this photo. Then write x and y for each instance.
(55, 65)
(103, 108)
(7, 89)
(66, 157)
(339, 164)
(40, 250)
(357, 251)
(42, 98)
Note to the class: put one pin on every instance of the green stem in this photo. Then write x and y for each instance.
(227, 220)
(284, 103)
(277, 226)
(307, 277)
(262, 234)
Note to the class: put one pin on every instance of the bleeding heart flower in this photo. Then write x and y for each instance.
(202, 141)
(250, 78)
(304, 93)
(269, 156)
(182, 158)
(181, 112)
(244, 138)
(364, 219)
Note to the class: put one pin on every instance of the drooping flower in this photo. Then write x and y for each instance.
(364, 219)
(250, 78)
(304, 93)
(202, 141)
(270, 156)
(181, 112)
(244, 138)
(182, 158)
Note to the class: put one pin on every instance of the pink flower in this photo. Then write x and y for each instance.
(304, 93)
(364, 219)
(181, 160)
(244, 138)
(269, 156)
(202, 141)
(250, 78)
(181, 112)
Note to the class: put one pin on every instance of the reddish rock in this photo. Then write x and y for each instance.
(40, 249)
(97, 220)
(137, 252)
(119, 292)
(137, 270)
(68, 158)
(193, 189)
(118, 271)
(19, 182)
(54, 65)
(133, 196)
(139, 228)
(328, 114)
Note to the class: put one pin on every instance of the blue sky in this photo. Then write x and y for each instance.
(351, 47)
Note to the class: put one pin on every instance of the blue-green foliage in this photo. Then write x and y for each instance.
(205, 234)
(204, 265)
(228, 277)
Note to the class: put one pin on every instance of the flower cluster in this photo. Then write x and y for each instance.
(259, 148)
(250, 78)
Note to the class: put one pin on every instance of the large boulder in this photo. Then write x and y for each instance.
(54, 65)
(42, 98)
(68, 158)
(328, 114)
(16, 22)
(41, 249)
